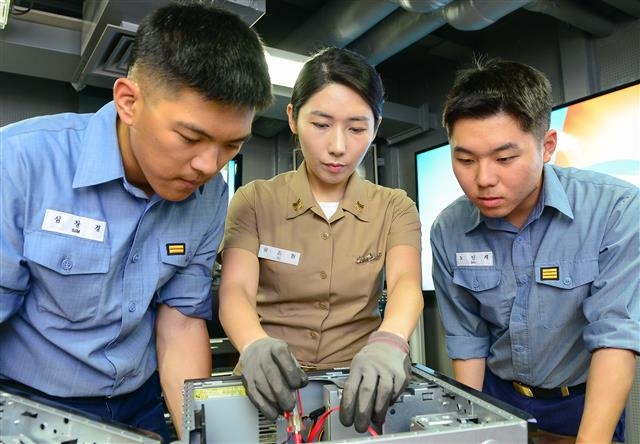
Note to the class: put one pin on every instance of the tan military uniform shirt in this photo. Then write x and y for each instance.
(326, 305)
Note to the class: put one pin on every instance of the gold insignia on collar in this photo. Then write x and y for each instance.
(359, 206)
(297, 205)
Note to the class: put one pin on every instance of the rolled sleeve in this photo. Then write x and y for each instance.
(241, 223)
(613, 333)
(14, 275)
(189, 289)
(613, 307)
(467, 347)
(467, 334)
(406, 228)
(190, 294)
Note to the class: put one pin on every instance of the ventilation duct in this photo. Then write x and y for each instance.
(403, 28)
(337, 23)
(422, 6)
(575, 15)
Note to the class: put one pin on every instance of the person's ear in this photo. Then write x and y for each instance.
(549, 143)
(293, 126)
(126, 94)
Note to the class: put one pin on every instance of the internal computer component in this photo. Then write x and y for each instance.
(26, 420)
(432, 409)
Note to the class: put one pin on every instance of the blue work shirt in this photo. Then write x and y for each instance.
(536, 301)
(86, 256)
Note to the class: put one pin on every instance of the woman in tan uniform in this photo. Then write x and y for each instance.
(304, 255)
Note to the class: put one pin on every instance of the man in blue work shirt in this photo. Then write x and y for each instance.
(537, 267)
(111, 222)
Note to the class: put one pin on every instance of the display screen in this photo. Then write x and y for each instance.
(232, 174)
(599, 133)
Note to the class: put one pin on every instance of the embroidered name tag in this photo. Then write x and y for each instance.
(549, 273)
(474, 259)
(176, 249)
(66, 223)
(278, 254)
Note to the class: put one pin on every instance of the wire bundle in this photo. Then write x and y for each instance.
(294, 428)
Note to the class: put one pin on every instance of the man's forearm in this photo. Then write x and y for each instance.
(183, 353)
(608, 384)
(175, 371)
(470, 372)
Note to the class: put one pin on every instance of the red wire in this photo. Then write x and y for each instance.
(301, 412)
(318, 426)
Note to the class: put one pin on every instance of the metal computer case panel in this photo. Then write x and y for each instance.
(25, 419)
(432, 409)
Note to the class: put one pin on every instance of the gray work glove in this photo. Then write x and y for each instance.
(270, 375)
(379, 373)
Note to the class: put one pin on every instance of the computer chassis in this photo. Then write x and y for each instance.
(433, 409)
(28, 419)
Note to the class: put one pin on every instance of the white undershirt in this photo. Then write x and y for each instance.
(328, 208)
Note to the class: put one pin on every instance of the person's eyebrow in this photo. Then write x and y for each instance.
(206, 135)
(507, 146)
(329, 116)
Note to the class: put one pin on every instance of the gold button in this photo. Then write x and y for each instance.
(324, 236)
(323, 275)
(322, 306)
(313, 335)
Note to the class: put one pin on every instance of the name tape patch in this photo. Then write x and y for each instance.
(279, 254)
(74, 225)
(474, 259)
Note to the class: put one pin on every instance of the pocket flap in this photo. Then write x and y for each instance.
(176, 253)
(66, 254)
(567, 274)
(477, 278)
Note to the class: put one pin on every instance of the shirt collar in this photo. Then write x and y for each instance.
(100, 160)
(553, 192)
(475, 219)
(553, 195)
(300, 198)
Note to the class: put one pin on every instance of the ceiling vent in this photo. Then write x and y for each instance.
(108, 60)
(110, 25)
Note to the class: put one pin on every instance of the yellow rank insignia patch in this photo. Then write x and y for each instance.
(549, 273)
(176, 249)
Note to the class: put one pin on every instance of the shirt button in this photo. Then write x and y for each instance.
(567, 281)
(66, 264)
(322, 306)
(324, 236)
(313, 335)
(323, 275)
(132, 306)
(475, 284)
(135, 258)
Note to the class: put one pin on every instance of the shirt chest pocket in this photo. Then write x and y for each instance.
(68, 274)
(562, 289)
(487, 286)
(175, 257)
